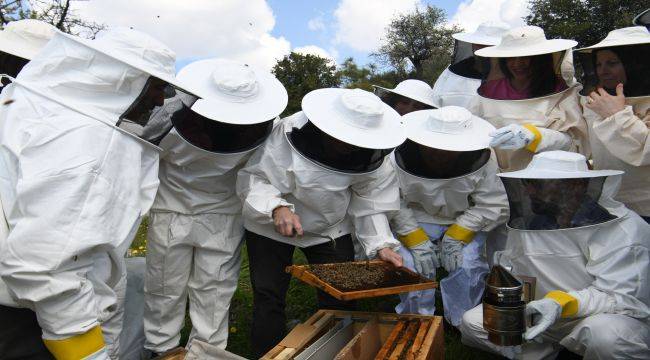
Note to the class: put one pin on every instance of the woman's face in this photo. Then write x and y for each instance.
(519, 67)
(610, 69)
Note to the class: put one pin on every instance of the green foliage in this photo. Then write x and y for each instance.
(301, 74)
(586, 21)
(420, 38)
(352, 76)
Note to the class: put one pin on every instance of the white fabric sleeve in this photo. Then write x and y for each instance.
(58, 222)
(620, 285)
(372, 198)
(553, 140)
(402, 221)
(489, 203)
(626, 136)
(257, 186)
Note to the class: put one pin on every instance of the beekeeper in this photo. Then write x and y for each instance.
(196, 227)
(321, 174)
(616, 105)
(589, 258)
(76, 178)
(408, 96)
(531, 97)
(458, 83)
(451, 197)
(20, 41)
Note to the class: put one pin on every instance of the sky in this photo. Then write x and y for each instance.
(260, 32)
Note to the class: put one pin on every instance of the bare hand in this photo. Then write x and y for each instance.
(388, 255)
(605, 104)
(286, 222)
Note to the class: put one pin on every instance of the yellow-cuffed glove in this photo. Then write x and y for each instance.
(425, 257)
(555, 305)
(89, 345)
(455, 239)
(514, 136)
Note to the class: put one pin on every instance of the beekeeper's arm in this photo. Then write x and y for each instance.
(489, 207)
(626, 136)
(261, 182)
(58, 221)
(371, 199)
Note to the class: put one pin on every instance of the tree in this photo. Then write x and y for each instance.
(59, 13)
(586, 21)
(301, 74)
(420, 38)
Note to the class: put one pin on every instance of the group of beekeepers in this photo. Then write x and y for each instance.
(507, 160)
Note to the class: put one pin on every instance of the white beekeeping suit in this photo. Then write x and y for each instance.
(451, 197)
(196, 228)
(618, 133)
(457, 84)
(531, 97)
(20, 41)
(321, 175)
(589, 257)
(76, 179)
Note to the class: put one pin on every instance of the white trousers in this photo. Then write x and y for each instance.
(601, 336)
(195, 255)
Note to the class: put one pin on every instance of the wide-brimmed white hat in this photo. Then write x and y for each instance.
(451, 128)
(354, 116)
(413, 89)
(633, 35)
(25, 38)
(558, 165)
(487, 33)
(138, 50)
(235, 93)
(525, 41)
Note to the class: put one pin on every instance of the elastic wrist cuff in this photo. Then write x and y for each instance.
(414, 238)
(532, 147)
(77, 347)
(460, 233)
(569, 303)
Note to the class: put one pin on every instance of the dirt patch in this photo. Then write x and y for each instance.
(351, 276)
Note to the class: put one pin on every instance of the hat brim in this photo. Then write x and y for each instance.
(416, 98)
(476, 39)
(549, 174)
(129, 61)
(17, 47)
(622, 42)
(546, 47)
(323, 108)
(268, 103)
(475, 138)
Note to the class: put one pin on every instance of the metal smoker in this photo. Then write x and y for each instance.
(503, 308)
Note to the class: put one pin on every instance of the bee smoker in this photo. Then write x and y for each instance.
(503, 308)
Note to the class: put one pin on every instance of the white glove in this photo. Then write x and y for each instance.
(546, 312)
(423, 258)
(452, 253)
(511, 137)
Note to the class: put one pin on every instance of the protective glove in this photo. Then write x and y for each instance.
(422, 250)
(513, 136)
(452, 253)
(423, 258)
(546, 312)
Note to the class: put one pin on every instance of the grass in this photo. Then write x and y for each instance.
(301, 304)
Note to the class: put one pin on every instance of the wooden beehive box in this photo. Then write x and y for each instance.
(410, 281)
(367, 336)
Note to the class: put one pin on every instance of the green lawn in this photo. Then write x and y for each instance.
(301, 304)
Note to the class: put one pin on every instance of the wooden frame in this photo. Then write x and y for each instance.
(302, 273)
(428, 336)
